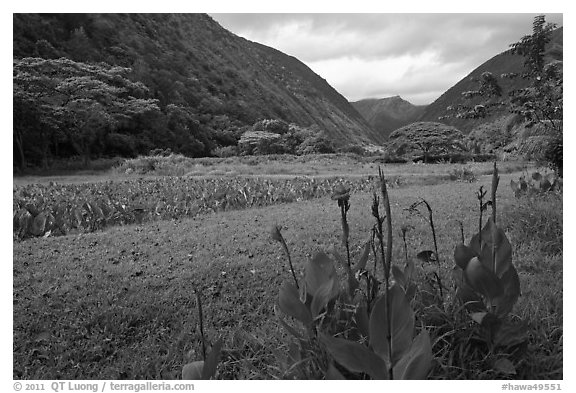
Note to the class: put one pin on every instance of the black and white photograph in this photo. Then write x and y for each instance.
(286, 196)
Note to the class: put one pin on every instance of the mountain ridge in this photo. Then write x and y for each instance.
(388, 114)
(224, 81)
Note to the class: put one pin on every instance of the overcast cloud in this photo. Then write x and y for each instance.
(416, 56)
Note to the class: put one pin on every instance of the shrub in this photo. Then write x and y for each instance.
(226, 151)
(463, 174)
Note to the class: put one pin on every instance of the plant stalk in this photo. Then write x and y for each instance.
(285, 246)
(387, 265)
(495, 181)
(201, 318)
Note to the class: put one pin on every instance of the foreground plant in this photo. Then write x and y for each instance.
(487, 282)
(206, 368)
(429, 256)
(393, 352)
(536, 184)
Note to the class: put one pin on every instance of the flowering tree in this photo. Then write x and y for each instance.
(77, 99)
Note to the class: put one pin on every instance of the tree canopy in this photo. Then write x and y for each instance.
(428, 138)
(72, 100)
(540, 102)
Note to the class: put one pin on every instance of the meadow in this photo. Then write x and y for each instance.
(114, 294)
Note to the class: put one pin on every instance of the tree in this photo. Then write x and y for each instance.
(427, 137)
(539, 102)
(80, 99)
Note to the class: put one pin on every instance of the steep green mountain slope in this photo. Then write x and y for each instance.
(221, 81)
(498, 65)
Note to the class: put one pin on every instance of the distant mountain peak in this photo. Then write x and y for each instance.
(388, 114)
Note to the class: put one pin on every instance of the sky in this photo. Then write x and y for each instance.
(375, 55)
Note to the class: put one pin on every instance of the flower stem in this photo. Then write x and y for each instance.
(285, 246)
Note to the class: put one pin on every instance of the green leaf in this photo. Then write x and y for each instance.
(24, 219)
(38, 226)
(401, 325)
(469, 298)
(503, 248)
(482, 280)
(319, 270)
(511, 285)
(289, 302)
(509, 335)
(193, 370)
(288, 328)
(361, 265)
(478, 317)
(416, 363)
(463, 255)
(504, 366)
(398, 276)
(427, 256)
(321, 297)
(355, 357)
(362, 321)
(211, 363)
(408, 270)
(332, 373)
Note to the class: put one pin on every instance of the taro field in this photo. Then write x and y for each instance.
(438, 272)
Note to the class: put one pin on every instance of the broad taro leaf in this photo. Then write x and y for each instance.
(511, 286)
(211, 362)
(545, 185)
(77, 212)
(465, 293)
(321, 297)
(288, 328)
(416, 363)
(362, 321)
(22, 222)
(332, 373)
(40, 223)
(509, 335)
(319, 270)
(427, 256)
(484, 250)
(290, 304)
(355, 357)
(504, 366)
(401, 324)
(193, 370)
(482, 280)
(32, 209)
(463, 255)
(95, 209)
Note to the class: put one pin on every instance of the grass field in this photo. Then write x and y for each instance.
(120, 303)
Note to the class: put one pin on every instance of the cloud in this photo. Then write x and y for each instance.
(414, 55)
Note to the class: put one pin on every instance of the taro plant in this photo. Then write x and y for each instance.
(206, 368)
(392, 351)
(488, 284)
(536, 184)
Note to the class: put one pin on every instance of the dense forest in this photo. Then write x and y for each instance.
(98, 85)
